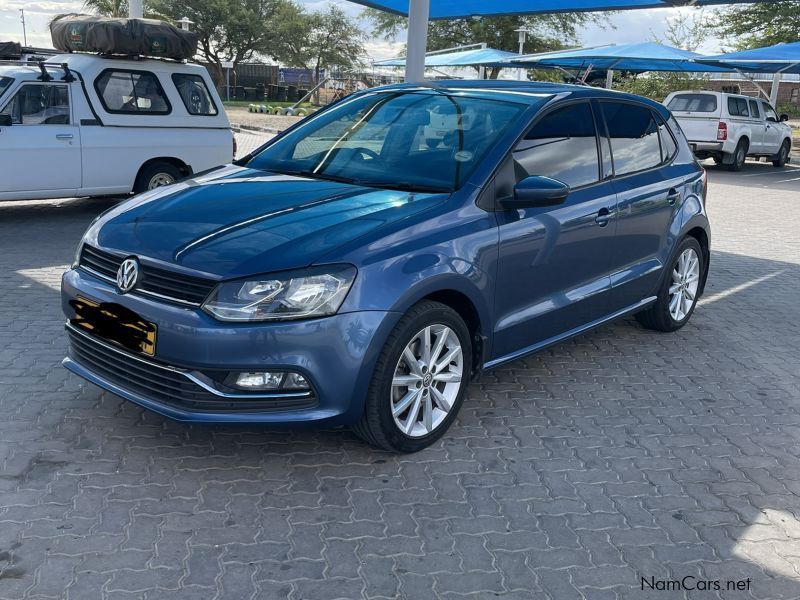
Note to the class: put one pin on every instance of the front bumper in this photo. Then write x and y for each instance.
(336, 355)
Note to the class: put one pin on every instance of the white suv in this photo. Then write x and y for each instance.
(87, 125)
(731, 127)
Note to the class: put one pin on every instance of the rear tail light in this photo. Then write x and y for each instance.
(722, 131)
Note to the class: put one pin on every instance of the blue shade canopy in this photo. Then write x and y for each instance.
(478, 57)
(453, 9)
(646, 56)
(780, 58)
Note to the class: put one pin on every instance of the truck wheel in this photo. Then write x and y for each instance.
(155, 175)
(739, 155)
(420, 380)
(782, 157)
(679, 290)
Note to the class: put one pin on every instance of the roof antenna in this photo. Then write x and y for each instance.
(68, 76)
(45, 76)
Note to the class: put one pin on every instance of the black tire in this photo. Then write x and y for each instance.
(150, 172)
(657, 316)
(782, 157)
(739, 156)
(377, 426)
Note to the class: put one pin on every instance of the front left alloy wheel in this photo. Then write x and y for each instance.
(420, 380)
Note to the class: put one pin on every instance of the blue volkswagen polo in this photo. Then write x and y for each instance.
(361, 268)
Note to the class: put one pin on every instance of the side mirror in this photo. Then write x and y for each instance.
(536, 191)
(784, 117)
(6, 121)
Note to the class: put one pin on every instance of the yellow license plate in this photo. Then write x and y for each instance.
(114, 323)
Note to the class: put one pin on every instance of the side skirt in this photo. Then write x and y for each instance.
(568, 334)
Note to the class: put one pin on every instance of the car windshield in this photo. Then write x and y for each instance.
(693, 103)
(398, 140)
(5, 82)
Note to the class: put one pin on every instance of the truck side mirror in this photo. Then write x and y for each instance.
(5, 121)
(784, 117)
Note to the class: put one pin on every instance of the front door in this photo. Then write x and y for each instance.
(553, 272)
(773, 136)
(41, 151)
(649, 194)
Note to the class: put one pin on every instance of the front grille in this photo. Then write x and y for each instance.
(166, 385)
(170, 286)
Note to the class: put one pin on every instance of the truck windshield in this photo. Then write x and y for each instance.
(419, 141)
(693, 103)
(5, 82)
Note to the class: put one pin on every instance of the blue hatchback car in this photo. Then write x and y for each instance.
(362, 267)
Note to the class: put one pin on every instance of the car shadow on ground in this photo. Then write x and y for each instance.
(620, 454)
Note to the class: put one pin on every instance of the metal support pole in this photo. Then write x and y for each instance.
(418, 13)
(228, 83)
(24, 28)
(136, 9)
(773, 93)
(610, 79)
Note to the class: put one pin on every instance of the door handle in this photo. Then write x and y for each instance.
(673, 196)
(603, 217)
(64, 136)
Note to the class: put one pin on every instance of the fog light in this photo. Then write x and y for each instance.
(271, 380)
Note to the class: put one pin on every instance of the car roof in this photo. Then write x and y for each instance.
(93, 63)
(522, 91)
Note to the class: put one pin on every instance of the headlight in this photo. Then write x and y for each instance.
(314, 292)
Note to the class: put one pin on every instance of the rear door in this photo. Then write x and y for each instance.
(698, 114)
(648, 197)
(553, 273)
(41, 151)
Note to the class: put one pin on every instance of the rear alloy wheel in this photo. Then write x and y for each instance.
(782, 157)
(739, 156)
(679, 291)
(420, 380)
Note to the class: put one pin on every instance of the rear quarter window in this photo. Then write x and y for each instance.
(131, 92)
(693, 103)
(737, 107)
(194, 93)
(5, 83)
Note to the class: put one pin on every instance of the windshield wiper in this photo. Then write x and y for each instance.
(315, 175)
(401, 185)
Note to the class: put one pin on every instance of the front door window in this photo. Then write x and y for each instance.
(39, 104)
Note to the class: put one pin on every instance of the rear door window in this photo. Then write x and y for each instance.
(693, 103)
(668, 145)
(194, 93)
(131, 92)
(40, 104)
(563, 146)
(634, 137)
(737, 107)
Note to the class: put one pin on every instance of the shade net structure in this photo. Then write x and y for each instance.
(478, 57)
(453, 9)
(780, 58)
(646, 56)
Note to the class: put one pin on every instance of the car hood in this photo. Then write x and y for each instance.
(237, 221)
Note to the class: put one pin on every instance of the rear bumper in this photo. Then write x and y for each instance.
(707, 146)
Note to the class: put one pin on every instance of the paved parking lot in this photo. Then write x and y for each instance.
(620, 455)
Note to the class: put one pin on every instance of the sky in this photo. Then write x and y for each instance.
(629, 26)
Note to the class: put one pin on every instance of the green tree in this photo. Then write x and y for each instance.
(547, 32)
(757, 25)
(230, 30)
(318, 40)
(118, 9)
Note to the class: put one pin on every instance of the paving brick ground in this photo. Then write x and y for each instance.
(571, 474)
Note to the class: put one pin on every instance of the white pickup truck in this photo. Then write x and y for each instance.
(731, 127)
(89, 125)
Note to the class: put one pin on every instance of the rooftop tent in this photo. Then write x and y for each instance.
(477, 57)
(420, 11)
(646, 56)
